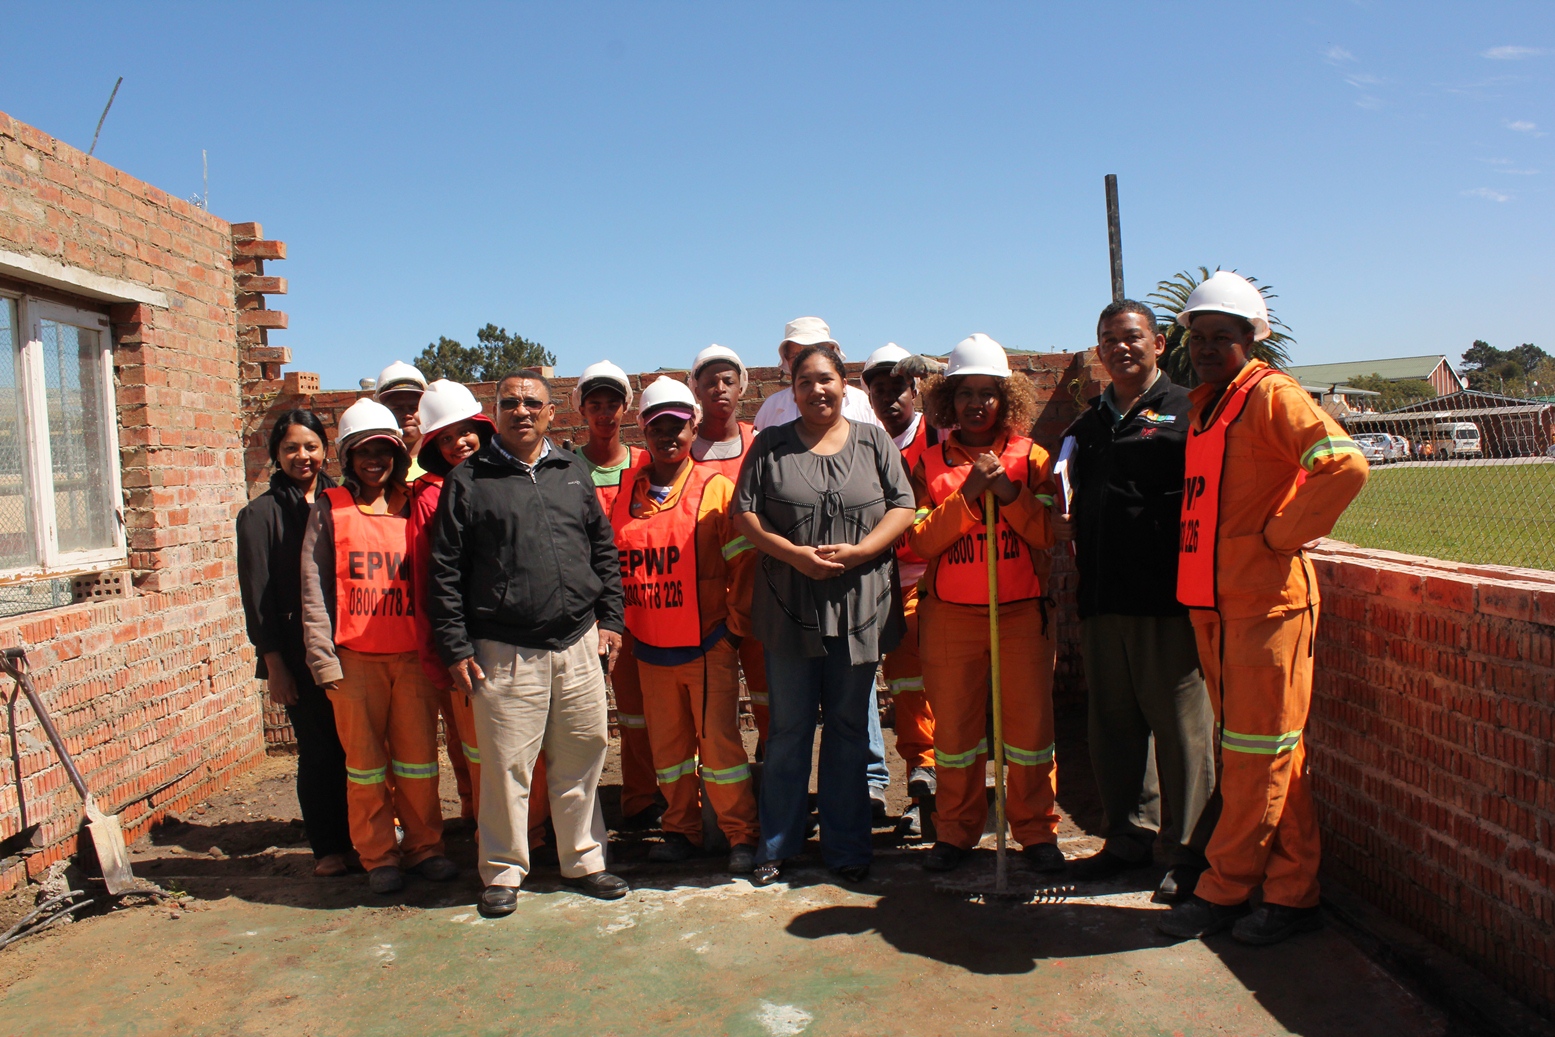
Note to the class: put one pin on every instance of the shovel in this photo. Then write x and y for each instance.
(107, 835)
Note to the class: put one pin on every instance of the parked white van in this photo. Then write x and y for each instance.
(1455, 439)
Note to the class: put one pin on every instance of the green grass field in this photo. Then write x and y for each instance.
(1491, 514)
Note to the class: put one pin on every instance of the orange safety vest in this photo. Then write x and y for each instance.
(910, 454)
(375, 607)
(635, 456)
(659, 564)
(961, 576)
(1197, 546)
(730, 466)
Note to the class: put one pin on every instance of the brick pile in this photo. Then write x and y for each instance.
(1433, 752)
(152, 692)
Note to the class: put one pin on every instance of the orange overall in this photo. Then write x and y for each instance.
(1267, 472)
(638, 791)
(753, 661)
(902, 667)
(686, 573)
(953, 613)
(385, 707)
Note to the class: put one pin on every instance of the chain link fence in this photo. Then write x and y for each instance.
(1466, 477)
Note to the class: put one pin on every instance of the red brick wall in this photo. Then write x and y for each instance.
(1433, 752)
(153, 691)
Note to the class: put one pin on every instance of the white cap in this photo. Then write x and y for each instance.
(885, 358)
(808, 331)
(1225, 292)
(402, 376)
(978, 354)
(667, 396)
(715, 353)
(364, 420)
(602, 373)
(443, 404)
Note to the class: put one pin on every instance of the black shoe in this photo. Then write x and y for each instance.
(944, 857)
(766, 873)
(644, 820)
(385, 880)
(1178, 884)
(674, 849)
(436, 869)
(1104, 865)
(497, 901)
(601, 884)
(922, 783)
(910, 824)
(1272, 923)
(1196, 917)
(742, 859)
(877, 806)
(852, 872)
(1045, 857)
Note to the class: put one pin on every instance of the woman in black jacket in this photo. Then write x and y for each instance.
(270, 531)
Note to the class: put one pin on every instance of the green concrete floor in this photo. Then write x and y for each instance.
(688, 952)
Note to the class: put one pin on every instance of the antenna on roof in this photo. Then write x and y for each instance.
(98, 132)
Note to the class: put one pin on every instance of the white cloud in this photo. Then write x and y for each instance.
(1337, 54)
(1512, 53)
(1361, 79)
(1370, 103)
(1488, 194)
(1523, 126)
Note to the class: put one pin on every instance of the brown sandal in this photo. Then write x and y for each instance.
(331, 866)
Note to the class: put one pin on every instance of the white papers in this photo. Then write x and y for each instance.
(1063, 471)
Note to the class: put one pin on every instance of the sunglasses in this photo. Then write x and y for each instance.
(528, 403)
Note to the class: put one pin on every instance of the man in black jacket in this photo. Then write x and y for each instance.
(526, 606)
(1141, 663)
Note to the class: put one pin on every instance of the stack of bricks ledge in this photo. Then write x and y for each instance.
(1432, 743)
(153, 693)
(1060, 379)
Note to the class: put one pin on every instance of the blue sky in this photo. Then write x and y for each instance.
(635, 181)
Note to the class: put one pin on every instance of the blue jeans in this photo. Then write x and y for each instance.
(798, 688)
(879, 773)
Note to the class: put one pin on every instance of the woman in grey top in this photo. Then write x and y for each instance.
(823, 499)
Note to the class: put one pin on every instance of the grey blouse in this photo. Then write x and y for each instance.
(811, 499)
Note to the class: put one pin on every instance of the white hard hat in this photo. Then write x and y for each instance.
(667, 396)
(443, 404)
(1225, 292)
(885, 358)
(402, 376)
(715, 353)
(364, 420)
(978, 354)
(602, 373)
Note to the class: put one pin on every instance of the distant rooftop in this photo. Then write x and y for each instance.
(1393, 369)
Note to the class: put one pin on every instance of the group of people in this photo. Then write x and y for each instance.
(479, 571)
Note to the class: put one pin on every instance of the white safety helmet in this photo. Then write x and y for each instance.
(714, 354)
(883, 359)
(596, 375)
(443, 404)
(399, 376)
(365, 420)
(978, 354)
(667, 396)
(1225, 292)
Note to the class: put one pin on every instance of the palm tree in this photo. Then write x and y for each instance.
(1171, 295)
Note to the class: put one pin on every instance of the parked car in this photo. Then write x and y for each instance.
(1451, 440)
(1400, 447)
(1377, 447)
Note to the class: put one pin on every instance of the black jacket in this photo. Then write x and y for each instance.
(527, 559)
(270, 530)
(1127, 503)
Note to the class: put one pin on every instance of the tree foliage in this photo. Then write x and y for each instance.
(496, 353)
(1394, 394)
(1509, 371)
(1171, 296)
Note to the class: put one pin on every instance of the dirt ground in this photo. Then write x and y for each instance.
(254, 944)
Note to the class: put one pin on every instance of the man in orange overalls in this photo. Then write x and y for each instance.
(1267, 472)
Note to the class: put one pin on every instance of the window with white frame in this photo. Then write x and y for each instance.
(60, 506)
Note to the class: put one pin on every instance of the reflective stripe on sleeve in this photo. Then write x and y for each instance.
(902, 684)
(1045, 498)
(684, 769)
(471, 754)
(414, 770)
(1260, 745)
(1328, 446)
(635, 721)
(959, 760)
(739, 545)
(1027, 757)
(369, 777)
(727, 776)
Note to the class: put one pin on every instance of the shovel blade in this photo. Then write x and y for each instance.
(112, 856)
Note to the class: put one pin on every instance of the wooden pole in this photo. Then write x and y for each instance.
(1114, 237)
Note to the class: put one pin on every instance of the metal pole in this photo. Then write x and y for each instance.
(1114, 237)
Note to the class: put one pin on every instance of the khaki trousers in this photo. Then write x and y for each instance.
(533, 700)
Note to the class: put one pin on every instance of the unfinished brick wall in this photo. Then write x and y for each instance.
(1433, 752)
(153, 692)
